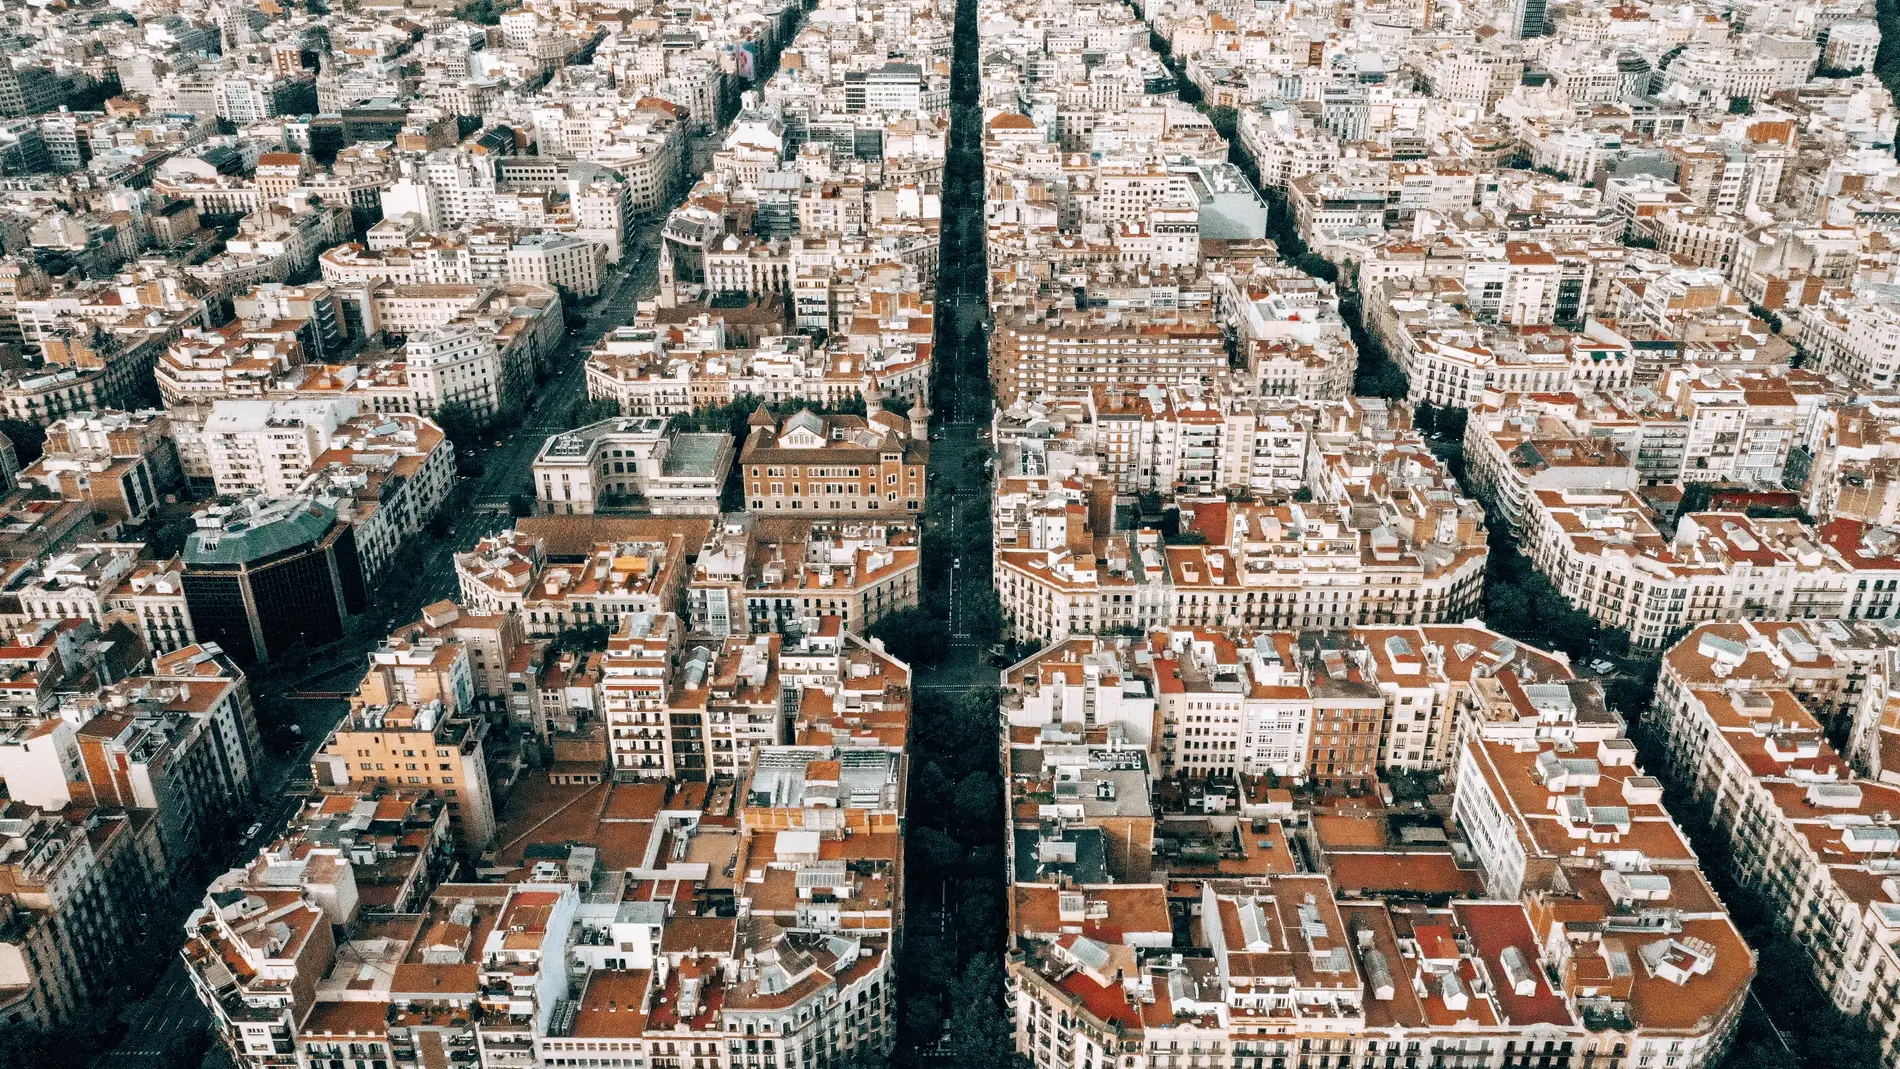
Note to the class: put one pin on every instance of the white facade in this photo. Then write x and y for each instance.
(456, 364)
(269, 446)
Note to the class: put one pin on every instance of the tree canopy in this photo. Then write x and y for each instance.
(592, 411)
(29, 439)
(911, 635)
(460, 423)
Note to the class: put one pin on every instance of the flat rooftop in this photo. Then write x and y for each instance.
(694, 454)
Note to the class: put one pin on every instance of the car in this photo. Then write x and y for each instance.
(1600, 667)
(251, 832)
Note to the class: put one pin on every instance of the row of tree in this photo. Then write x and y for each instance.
(1376, 374)
(29, 439)
(1807, 1032)
(1444, 421)
(1887, 59)
(1794, 1025)
(466, 428)
(483, 12)
(950, 975)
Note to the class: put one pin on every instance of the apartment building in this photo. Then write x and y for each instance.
(68, 885)
(1546, 787)
(1451, 357)
(1806, 824)
(1286, 324)
(237, 360)
(1328, 708)
(106, 583)
(181, 758)
(404, 254)
(269, 446)
(1845, 462)
(1282, 147)
(510, 572)
(152, 594)
(458, 364)
(635, 690)
(261, 946)
(496, 643)
(181, 742)
(1525, 445)
(390, 476)
(118, 462)
(1521, 960)
(1851, 336)
(79, 371)
(654, 372)
(525, 320)
(647, 374)
(494, 577)
(574, 264)
(410, 726)
(1056, 351)
(1061, 568)
(1606, 553)
(1701, 425)
(763, 574)
(487, 969)
(1156, 439)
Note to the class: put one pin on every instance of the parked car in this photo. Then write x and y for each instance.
(251, 832)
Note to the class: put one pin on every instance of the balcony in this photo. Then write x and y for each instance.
(1605, 1016)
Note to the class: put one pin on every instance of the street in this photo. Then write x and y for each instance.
(965, 667)
(165, 1021)
(961, 411)
(170, 1018)
(951, 465)
(954, 905)
(506, 464)
(168, 1021)
(507, 456)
